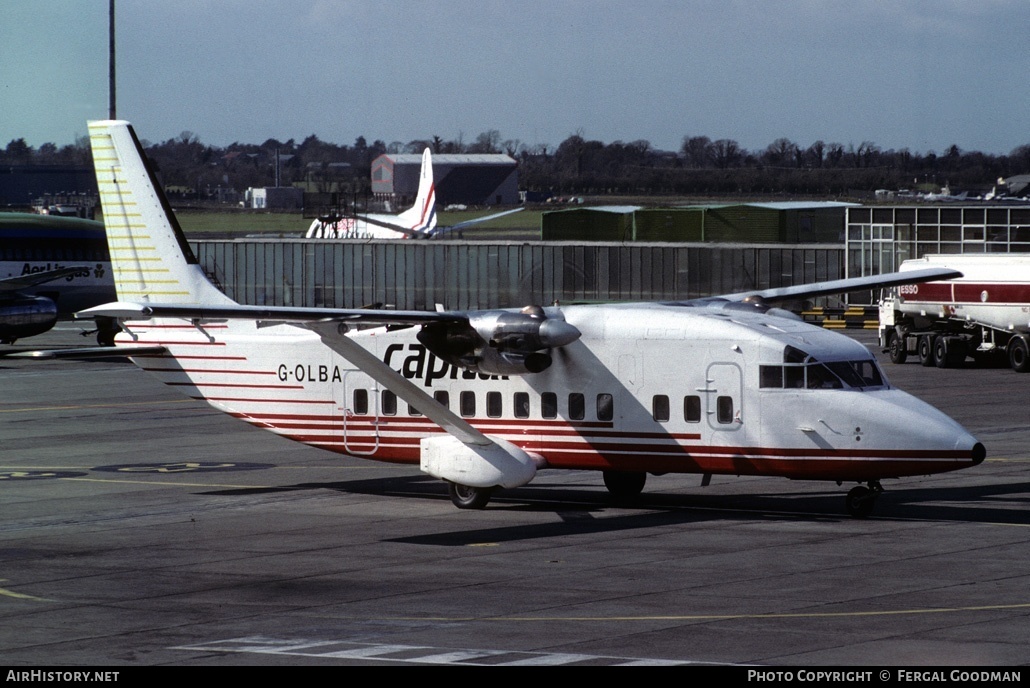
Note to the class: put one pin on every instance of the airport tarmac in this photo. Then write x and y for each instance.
(141, 528)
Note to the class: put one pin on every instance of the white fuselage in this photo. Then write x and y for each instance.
(354, 228)
(646, 388)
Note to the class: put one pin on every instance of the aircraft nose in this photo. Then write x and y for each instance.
(979, 454)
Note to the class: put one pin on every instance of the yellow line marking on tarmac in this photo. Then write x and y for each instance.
(177, 484)
(68, 407)
(204, 484)
(4, 592)
(731, 617)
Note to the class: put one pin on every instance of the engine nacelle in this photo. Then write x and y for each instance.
(496, 362)
(500, 342)
(26, 316)
(529, 330)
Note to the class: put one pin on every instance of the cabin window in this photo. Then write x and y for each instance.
(360, 404)
(692, 409)
(493, 404)
(549, 405)
(770, 376)
(577, 406)
(389, 403)
(521, 404)
(442, 398)
(467, 401)
(412, 411)
(660, 408)
(605, 406)
(724, 409)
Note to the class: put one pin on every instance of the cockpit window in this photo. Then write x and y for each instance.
(801, 371)
(857, 373)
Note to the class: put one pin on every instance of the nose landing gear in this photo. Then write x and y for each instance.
(860, 500)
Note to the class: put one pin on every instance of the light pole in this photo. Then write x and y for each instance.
(110, 61)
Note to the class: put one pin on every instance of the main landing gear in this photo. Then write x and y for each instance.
(625, 486)
(860, 499)
(467, 497)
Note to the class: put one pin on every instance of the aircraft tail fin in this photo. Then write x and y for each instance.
(150, 257)
(421, 217)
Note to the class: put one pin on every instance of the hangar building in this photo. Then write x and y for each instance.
(472, 179)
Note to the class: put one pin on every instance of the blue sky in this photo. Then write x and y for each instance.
(915, 74)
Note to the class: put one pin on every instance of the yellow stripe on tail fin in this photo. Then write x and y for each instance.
(151, 260)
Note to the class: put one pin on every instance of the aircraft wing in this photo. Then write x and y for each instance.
(87, 352)
(475, 221)
(496, 342)
(276, 314)
(804, 291)
(32, 279)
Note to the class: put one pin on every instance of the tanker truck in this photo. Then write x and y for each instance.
(983, 315)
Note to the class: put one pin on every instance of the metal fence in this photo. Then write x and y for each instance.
(418, 275)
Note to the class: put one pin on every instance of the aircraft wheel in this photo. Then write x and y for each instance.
(925, 349)
(860, 501)
(107, 328)
(897, 348)
(1019, 353)
(624, 484)
(467, 497)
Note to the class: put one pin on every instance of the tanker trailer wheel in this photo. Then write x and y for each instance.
(949, 352)
(925, 350)
(897, 348)
(1019, 353)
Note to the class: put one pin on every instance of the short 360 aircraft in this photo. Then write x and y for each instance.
(483, 399)
(417, 222)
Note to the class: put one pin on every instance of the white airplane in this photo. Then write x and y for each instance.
(485, 399)
(418, 221)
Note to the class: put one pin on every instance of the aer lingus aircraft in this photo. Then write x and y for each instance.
(485, 399)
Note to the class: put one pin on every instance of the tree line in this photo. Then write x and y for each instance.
(576, 166)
